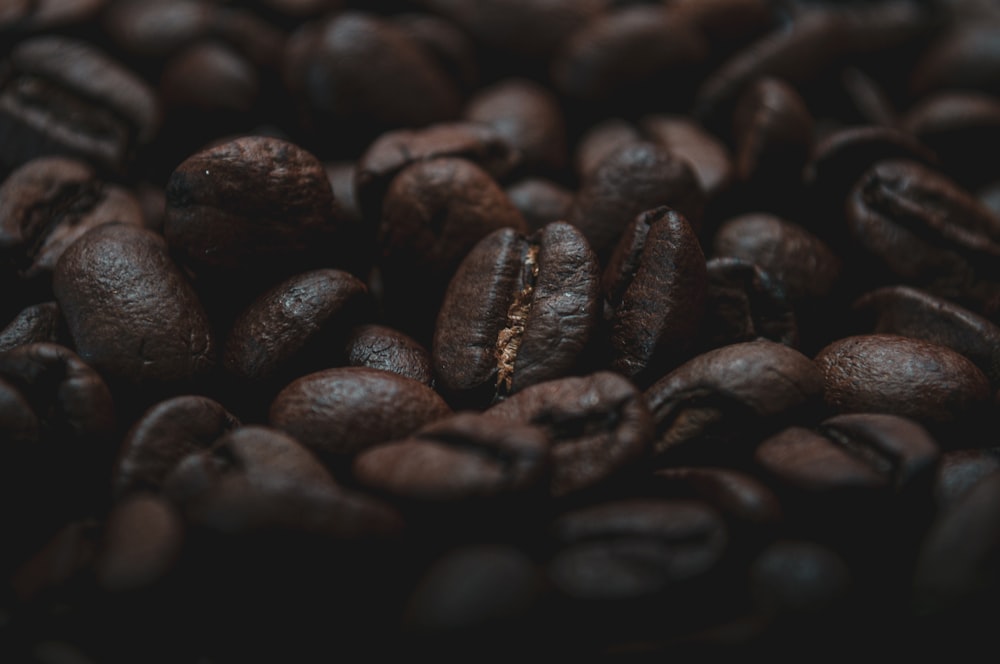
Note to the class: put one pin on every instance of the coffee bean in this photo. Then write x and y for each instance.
(654, 294)
(132, 314)
(340, 412)
(912, 378)
(600, 140)
(959, 470)
(141, 542)
(64, 96)
(163, 436)
(598, 425)
(721, 403)
(452, 49)
(964, 57)
(380, 347)
(773, 130)
(38, 323)
(541, 202)
(708, 157)
(519, 311)
(463, 458)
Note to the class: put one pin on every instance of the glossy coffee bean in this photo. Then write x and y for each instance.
(719, 404)
(654, 294)
(709, 158)
(142, 541)
(165, 434)
(520, 310)
(337, 413)
(884, 373)
(465, 458)
(381, 347)
(629, 181)
(131, 312)
(598, 425)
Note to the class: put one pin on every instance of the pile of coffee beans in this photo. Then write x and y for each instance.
(618, 330)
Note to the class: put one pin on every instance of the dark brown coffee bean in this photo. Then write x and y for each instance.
(956, 572)
(393, 151)
(38, 323)
(725, 21)
(739, 498)
(654, 294)
(141, 543)
(773, 129)
(708, 157)
(744, 303)
(131, 312)
(165, 434)
(795, 578)
(248, 204)
(35, 16)
(520, 310)
(434, 213)
(340, 412)
(356, 71)
(66, 557)
(600, 140)
(341, 175)
(64, 96)
(798, 260)
(520, 27)
(387, 349)
(954, 124)
(599, 427)
(869, 100)
(49, 202)
(209, 77)
(913, 313)
(256, 478)
(452, 49)
(720, 403)
(297, 326)
(467, 457)
(631, 180)
(626, 550)
(883, 373)
(541, 202)
(529, 119)
(644, 48)
(928, 232)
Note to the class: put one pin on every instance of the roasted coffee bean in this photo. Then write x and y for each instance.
(959, 470)
(298, 325)
(461, 459)
(799, 261)
(773, 130)
(928, 232)
(631, 180)
(337, 413)
(654, 294)
(744, 303)
(64, 96)
(708, 157)
(721, 403)
(645, 48)
(49, 202)
(520, 310)
(541, 202)
(911, 312)
(353, 71)
(380, 347)
(260, 478)
(885, 373)
(725, 21)
(869, 101)
(434, 213)
(600, 140)
(209, 78)
(954, 124)
(163, 436)
(529, 119)
(66, 557)
(38, 323)
(250, 204)
(964, 57)
(393, 151)
(598, 425)
(624, 564)
(452, 49)
(130, 310)
(30, 17)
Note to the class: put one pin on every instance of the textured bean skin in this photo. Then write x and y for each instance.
(132, 314)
